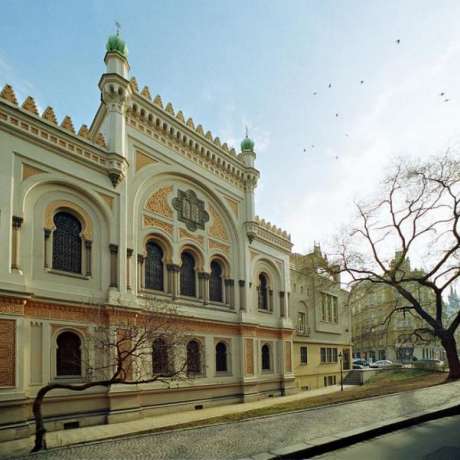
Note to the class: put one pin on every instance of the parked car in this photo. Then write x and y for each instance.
(360, 364)
(382, 363)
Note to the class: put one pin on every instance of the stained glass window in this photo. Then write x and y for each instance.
(187, 275)
(67, 243)
(215, 282)
(160, 358)
(154, 267)
(221, 357)
(265, 357)
(68, 355)
(263, 292)
(193, 358)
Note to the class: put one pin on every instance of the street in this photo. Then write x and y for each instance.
(434, 440)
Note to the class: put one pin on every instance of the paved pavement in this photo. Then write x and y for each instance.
(434, 440)
(257, 438)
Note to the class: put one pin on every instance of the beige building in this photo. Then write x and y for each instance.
(375, 337)
(144, 203)
(319, 309)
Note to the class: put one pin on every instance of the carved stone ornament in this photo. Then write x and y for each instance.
(190, 210)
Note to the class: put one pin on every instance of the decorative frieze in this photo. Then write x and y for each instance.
(184, 234)
(7, 352)
(219, 246)
(152, 222)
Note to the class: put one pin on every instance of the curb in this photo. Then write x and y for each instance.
(317, 446)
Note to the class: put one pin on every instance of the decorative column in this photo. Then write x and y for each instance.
(242, 285)
(113, 265)
(203, 286)
(282, 304)
(46, 248)
(17, 222)
(140, 271)
(129, 253)
(88, 246)
(230, 293)
(173, 279)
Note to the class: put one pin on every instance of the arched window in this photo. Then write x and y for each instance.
(67, 243)
(221, 357)
(68, 355)
(215, 283)
(263, 292)
(193, 357)
(160, 357)
(266, 358)
(154, 267)
(187, 275)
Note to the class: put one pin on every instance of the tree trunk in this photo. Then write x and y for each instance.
(449, 344)
(40, 430)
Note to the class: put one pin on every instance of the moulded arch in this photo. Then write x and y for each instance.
(63, 205)
(196, 253)
(162, 241)
(263, 265)
(223, 261)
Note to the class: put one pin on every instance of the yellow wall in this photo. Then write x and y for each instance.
(312, 374)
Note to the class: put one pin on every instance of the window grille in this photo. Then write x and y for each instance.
(215, 283)
(154, 271)
(187, 275)
(67, 243)
(193, 358)
(221, 357)
(160, 361)
(265, 358)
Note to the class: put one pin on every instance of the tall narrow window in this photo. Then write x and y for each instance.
(68, 355)
(187, 275)
(266, 358)
(67, 243)
(193, 358)
(160, 358)
(215, 283)
(263, 292)
(154, 267)
(221, 357)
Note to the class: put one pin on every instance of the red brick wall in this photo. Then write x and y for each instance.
(7, 352)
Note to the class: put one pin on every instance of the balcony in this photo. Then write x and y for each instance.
(303, 332)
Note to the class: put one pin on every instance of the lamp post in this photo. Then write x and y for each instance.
(341, 371)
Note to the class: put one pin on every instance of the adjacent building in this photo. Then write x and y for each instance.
(380, 333)
(322, 317)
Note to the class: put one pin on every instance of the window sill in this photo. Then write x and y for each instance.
(223, 374)
(70, 274)
(153, 293)
(69, 379)
(267, 312)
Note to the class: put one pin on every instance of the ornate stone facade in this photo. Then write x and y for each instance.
(141, 174)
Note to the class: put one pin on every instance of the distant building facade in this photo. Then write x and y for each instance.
(322, 317)
(377, 333)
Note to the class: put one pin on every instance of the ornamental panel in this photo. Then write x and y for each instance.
(7, 352)
(158, 202)
(190, 210)
(217, 229)
(249, 356)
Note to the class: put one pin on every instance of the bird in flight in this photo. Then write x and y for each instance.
(442, 94)
(362, 81)
(312, 146)
(336, 114)
(346, 134)
(330, 85)
(398, 41)
(446, 100)
(314, 93)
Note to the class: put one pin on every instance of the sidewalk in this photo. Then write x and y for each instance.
(23, 446)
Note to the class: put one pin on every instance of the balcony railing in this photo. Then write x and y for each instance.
(304, 332)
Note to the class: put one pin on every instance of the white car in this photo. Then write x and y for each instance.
(382, 363)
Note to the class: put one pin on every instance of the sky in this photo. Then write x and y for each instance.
(265, 64)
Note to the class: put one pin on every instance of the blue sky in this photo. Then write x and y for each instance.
(234, 63)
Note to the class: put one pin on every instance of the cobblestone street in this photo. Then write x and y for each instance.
(248, 438)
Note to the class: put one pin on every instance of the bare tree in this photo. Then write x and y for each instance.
(418, 212)
(123, 347)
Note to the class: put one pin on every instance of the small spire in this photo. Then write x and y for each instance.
(118, 27)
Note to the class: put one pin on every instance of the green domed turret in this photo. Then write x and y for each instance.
(247, 144)
(117, 45)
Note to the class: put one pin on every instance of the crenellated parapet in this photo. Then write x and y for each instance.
(174, 129)
(88, 147)
(259, 229)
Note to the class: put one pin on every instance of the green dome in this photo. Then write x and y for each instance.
(117, 45)
(247, 144)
